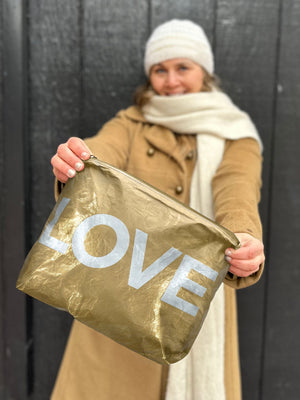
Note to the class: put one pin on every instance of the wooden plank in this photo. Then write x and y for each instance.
(54, 41)
(246, 60)
(202, 13)
(113, 49)
(281, 366)
(246, 40)
(13, 316)
(2, 299)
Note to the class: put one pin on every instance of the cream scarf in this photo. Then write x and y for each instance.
(214, 118)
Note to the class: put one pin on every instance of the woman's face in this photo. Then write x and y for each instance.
(176, 76)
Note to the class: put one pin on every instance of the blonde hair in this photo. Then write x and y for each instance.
(144, 92)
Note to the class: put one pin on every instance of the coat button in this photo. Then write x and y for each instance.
(150, 151)
(178, 189)
(190, 155)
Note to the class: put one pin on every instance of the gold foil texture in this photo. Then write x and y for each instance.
(128, 261)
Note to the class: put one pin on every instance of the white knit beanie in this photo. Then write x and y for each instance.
(178, 39)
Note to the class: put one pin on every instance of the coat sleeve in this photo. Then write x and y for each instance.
(236, 192)
(111, 144)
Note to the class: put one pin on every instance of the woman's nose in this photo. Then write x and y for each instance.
(172, 79)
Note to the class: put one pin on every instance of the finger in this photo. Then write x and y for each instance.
(246, 252)
(79, 148)
(62, 168)
(247, 265)
(241, 273)
(60, 176)
(67, 155)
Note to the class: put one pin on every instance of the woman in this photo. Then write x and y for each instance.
(185, 137)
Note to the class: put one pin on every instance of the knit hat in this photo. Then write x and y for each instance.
(178, 39)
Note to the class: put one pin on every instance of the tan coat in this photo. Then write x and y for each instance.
(95, 367)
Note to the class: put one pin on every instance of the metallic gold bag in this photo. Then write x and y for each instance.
(128, 261)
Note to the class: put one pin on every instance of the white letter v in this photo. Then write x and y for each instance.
(138, 277)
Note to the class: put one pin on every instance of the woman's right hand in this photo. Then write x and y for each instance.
(68, 158)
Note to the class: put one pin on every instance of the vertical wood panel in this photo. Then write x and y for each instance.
(246, 59)
(281, 367)
(54, 117)
(202, 13)
(113, 40)
(2, 302)
(13, 330)
(246, 40)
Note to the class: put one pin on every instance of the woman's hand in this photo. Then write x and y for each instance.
(247, 259)
(68, 158)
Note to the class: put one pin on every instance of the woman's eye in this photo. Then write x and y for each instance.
(159, 71)
(183, 68)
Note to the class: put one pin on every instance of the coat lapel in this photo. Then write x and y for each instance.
(159, 137)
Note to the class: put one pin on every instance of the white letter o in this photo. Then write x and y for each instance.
(109, 259)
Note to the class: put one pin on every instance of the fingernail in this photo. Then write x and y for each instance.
(78, 166)
(228, 252)
(85, 155)
(228, 259)
(71, 173)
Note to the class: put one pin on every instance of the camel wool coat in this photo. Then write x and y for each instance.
(96, 368)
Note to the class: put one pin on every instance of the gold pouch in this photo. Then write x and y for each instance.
(128, 261)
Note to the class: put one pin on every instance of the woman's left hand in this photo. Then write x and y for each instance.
(247, 259)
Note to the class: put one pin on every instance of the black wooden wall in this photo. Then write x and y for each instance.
(65, 68)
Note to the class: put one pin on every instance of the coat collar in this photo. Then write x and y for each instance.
(135, 114)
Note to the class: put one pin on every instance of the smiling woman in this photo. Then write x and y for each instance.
(185, 137)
